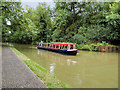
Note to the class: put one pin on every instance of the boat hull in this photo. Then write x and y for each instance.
(72, 52)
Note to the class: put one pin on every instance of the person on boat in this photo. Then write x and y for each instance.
(40, 43)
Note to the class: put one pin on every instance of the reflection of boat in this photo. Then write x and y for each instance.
(59, 47)
(57, 58)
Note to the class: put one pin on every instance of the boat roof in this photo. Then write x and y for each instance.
(58, 43)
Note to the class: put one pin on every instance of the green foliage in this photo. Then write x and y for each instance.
(92, 46)
(78, 38)
(26, 27)
(102, 44)
(86, 47)
(77, 22)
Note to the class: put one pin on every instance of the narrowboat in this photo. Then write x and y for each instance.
(68, 49)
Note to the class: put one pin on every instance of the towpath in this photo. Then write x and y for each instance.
(15, 73)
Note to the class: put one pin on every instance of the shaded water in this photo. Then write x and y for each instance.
(85, 70)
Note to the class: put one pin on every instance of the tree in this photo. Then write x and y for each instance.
(41, 17)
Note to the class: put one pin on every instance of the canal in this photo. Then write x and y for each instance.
(85, 70)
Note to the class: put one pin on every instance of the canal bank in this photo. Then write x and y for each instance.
(49, 80)
(85, 70)
(15, 74)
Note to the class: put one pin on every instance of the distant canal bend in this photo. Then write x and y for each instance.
(85, 70)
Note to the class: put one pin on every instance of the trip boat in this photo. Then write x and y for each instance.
(68, 49)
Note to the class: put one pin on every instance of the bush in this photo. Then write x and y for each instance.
(86, 47)
(94, 47)
(79, 38)
(102, 44)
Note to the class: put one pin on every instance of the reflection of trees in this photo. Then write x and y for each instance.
(92, 69)
(86, 71)
(62, 66)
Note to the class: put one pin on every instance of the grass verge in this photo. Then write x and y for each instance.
(49, 80)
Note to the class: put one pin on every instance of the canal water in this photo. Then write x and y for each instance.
(85, 70)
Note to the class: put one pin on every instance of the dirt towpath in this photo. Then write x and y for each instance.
(15, 73)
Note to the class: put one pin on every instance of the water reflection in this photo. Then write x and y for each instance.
(57, 58)
(69, 62)
(52, 67)
(85, 70)
(39, 52)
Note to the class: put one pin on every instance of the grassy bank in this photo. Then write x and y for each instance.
(49, 80)
(93, 46)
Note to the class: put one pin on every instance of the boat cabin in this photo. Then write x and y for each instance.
(57, 46)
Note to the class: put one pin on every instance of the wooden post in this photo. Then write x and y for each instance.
(119, 49)
(110, 49)
(102, 48)
(99, 48)
(106, 48)
(114, 49)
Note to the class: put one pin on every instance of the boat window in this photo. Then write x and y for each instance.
(44, 45)
(51, 46)
(62, 46)
(48, 45)
(71, 46)
(65, 46)
(57, 46)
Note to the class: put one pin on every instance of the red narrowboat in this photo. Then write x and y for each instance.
(68, 49)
